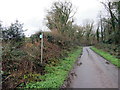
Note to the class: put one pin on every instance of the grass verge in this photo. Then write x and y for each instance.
(56, 75)
(107, 56)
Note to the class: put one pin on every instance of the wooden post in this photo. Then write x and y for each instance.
(42, 48)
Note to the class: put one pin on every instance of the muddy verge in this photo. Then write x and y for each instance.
(71, 74)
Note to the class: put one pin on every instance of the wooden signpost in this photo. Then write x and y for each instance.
(41, 37)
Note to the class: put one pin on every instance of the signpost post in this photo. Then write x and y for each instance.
(41, 37)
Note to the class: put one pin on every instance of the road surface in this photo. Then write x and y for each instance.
(94, 72)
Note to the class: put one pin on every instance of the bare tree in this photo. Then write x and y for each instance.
(114, 20)
(60, 16)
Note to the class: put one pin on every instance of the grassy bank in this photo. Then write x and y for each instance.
(57, 74)
(107, 56)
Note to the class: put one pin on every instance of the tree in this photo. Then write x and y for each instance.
(97, 34)
(117, 8)
(88, 31)
(113, 9)
(1, 28)
(14, 32)
(60, 16)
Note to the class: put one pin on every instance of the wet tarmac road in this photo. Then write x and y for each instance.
(94, 72)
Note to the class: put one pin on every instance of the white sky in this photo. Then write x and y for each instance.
(33, 12)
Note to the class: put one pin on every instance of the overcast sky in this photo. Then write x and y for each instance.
(32, 12)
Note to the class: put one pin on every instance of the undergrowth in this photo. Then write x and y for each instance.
(55, 76)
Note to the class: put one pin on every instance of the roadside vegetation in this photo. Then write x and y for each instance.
(21, 58)
(107, 56)
(108, 33)
(57, 74)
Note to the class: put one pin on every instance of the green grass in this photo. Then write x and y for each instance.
(107, 56)
(57, 74)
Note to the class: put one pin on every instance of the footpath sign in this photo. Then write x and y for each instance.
(41, 36)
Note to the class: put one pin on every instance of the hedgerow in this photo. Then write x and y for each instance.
(56, 75)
